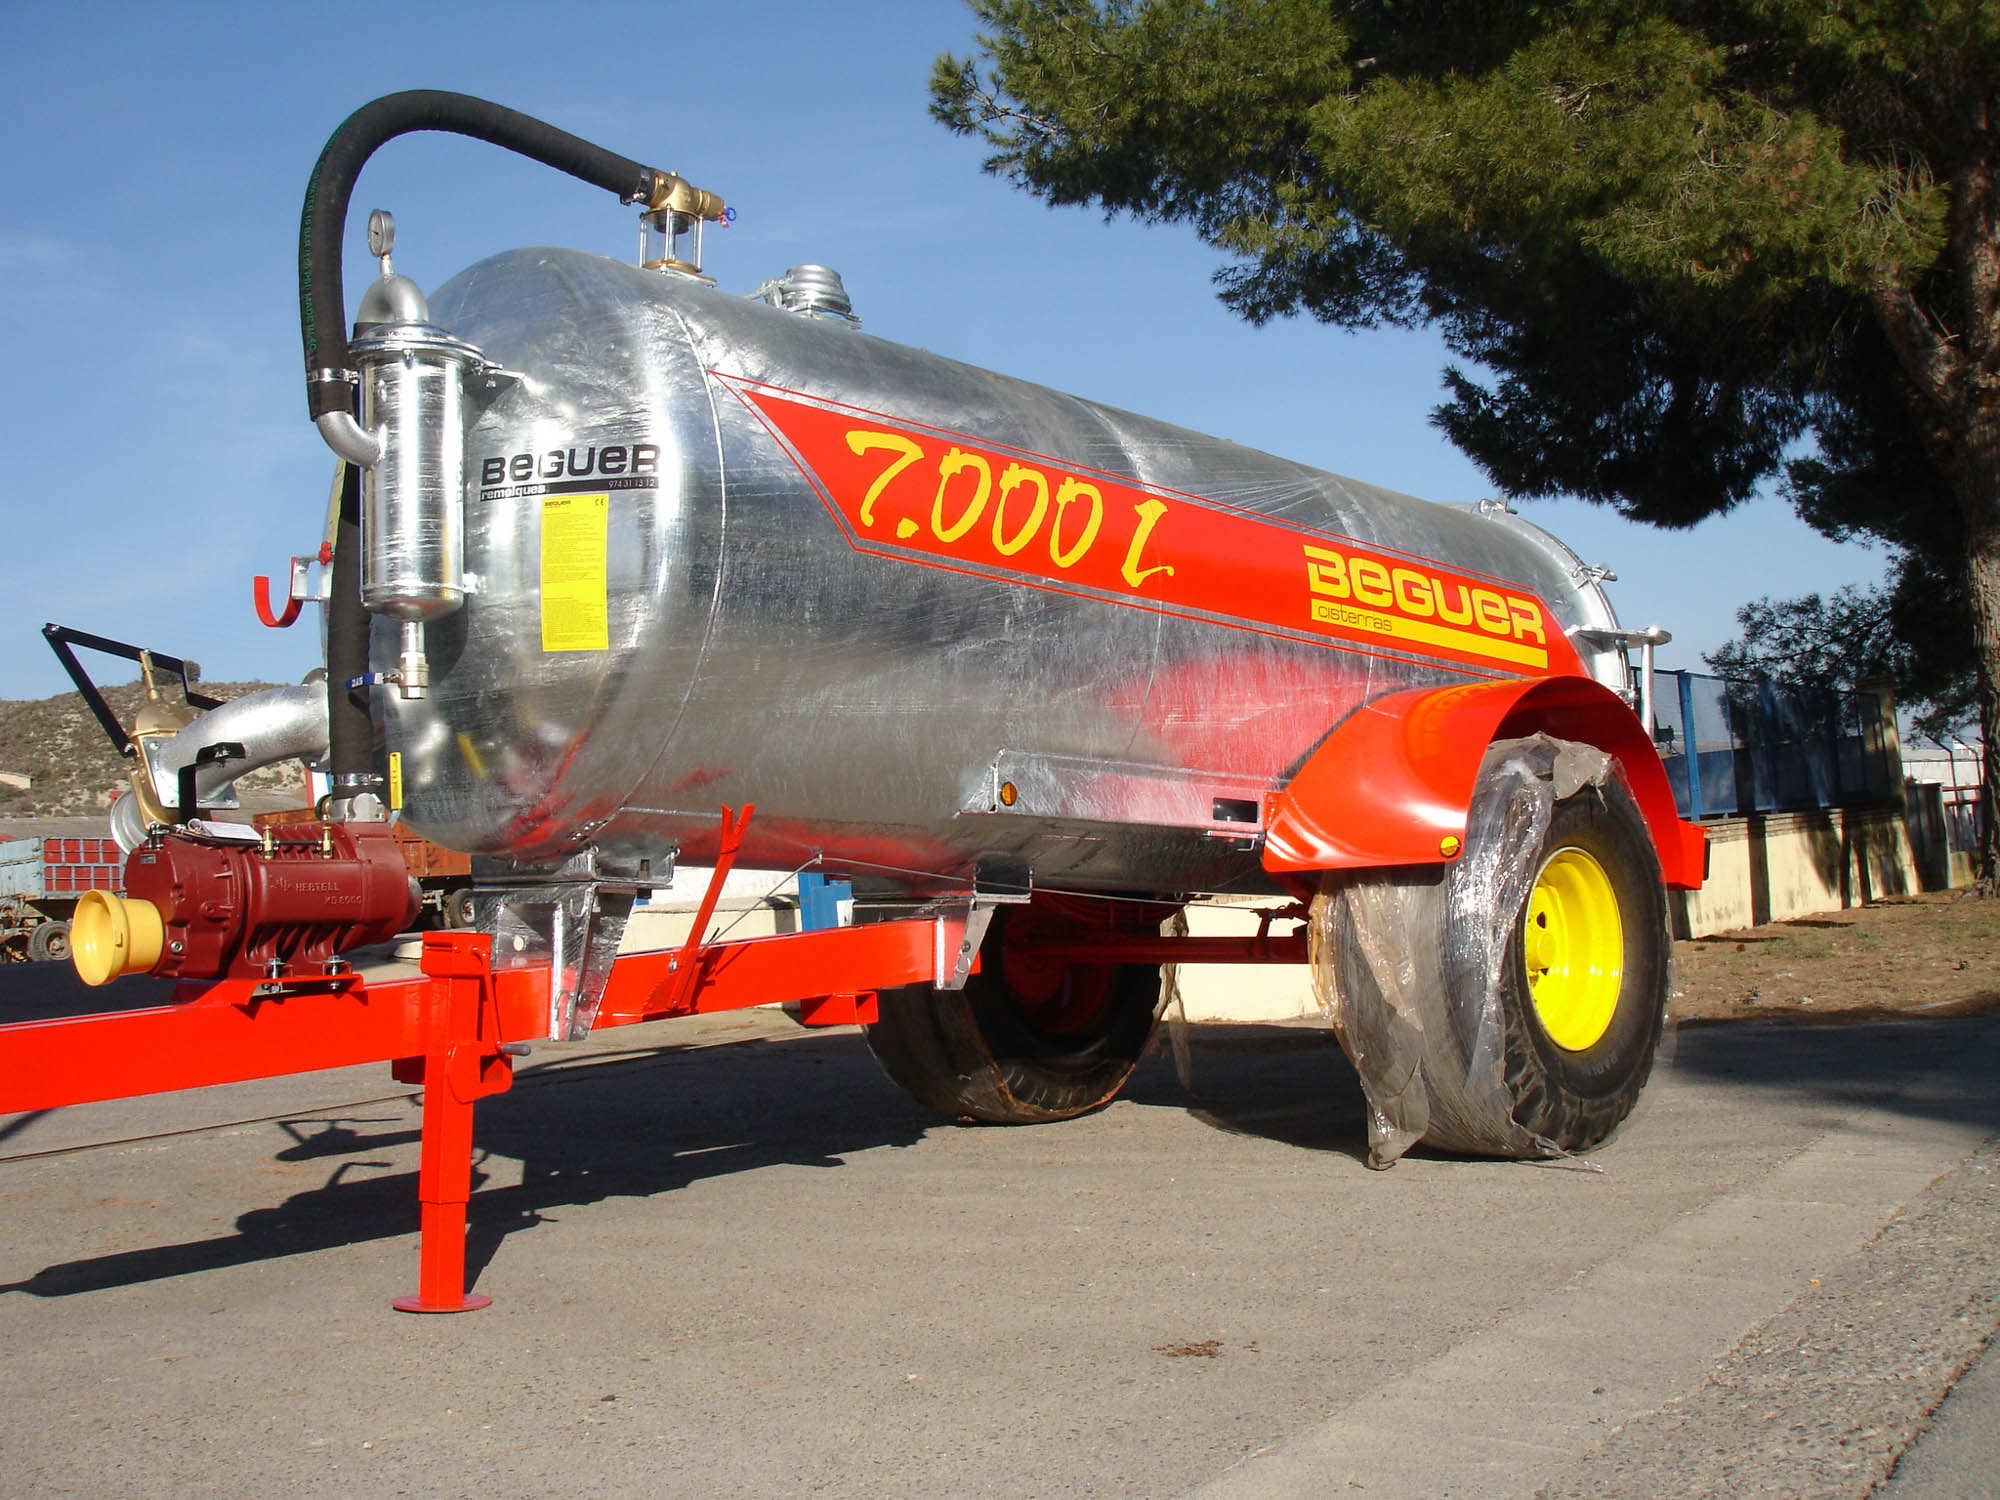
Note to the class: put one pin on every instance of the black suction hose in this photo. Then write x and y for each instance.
(350, 731)
(330, 382)
(322, 225)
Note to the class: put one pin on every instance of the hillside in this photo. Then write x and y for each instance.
(74, 770)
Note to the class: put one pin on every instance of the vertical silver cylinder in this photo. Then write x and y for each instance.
(413, 499)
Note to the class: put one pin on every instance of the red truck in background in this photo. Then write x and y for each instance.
(40, 878)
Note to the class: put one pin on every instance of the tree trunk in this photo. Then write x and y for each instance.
(1951, 354)
(1975, 236)
(1978, 483)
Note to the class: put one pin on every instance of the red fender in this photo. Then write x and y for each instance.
(1392, 785)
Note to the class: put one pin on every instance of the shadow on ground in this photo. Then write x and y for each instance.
(647, 1123)
(51, 991)
(1937, 1069)
(651, 1122)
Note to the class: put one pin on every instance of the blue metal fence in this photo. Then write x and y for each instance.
(1744, 747)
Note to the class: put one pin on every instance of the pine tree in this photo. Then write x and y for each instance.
(1673, 241)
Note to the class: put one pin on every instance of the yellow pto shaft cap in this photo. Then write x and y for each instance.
(110, 935)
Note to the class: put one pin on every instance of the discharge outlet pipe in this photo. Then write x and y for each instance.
(333, 383)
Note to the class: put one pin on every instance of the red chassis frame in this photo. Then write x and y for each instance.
(456, 1028)
(453, 1029)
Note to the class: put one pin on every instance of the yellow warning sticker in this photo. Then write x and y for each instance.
(395, 780)
(574, 615)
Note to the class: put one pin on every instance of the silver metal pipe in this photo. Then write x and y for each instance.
(279, 724)
(128, 823)
(349, 439)
(1621, 641)
(1650, 638)
(413, 671)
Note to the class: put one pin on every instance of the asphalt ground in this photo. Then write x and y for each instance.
(727, 1257)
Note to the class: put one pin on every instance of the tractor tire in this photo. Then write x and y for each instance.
(48, 943)
(1511, 1003)
(1025, 1042)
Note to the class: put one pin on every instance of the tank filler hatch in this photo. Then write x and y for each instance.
(811, 292)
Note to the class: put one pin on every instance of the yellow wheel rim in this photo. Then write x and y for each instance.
(1574, 946)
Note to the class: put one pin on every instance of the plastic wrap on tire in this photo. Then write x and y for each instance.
(1409, 964)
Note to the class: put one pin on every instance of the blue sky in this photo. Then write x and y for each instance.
(151, 400)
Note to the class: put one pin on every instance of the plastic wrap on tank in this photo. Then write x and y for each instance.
(800, 538)
(1386, 925)
(1173, 1008)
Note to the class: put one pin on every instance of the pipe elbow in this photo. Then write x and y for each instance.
(276, 725)
(349, 439)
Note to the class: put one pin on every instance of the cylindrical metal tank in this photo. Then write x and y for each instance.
(680, 599)
(412, 519)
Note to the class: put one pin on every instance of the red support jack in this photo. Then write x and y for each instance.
(462, 1064)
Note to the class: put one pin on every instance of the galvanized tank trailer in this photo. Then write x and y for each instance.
(617, 548)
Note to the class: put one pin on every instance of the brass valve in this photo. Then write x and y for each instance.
(683, 197)
(670, 226)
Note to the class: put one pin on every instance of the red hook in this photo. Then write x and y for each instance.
(261, 590)
(261, 597)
